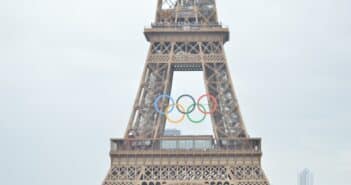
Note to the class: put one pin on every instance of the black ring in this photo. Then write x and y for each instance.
(189, 96)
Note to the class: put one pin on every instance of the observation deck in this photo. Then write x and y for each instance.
(189, 31)
(186, 146)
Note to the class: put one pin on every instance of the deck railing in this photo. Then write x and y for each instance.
(187, 144)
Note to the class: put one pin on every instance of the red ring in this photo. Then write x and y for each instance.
(215, 103)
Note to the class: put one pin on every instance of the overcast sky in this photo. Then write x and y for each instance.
(69, 72)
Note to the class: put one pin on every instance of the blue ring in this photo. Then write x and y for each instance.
(158, 99)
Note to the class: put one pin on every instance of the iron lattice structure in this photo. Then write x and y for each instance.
(186, 36)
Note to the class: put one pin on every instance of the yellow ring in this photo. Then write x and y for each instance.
(181, 107)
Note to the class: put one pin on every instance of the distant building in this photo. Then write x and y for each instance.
(305, 177)
(172, 132)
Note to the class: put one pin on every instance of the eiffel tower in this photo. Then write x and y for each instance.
(185, 36)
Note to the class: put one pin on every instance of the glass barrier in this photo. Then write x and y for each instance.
(239, 144)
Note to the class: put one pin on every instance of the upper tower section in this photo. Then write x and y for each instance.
(190, 18)
(171, 13)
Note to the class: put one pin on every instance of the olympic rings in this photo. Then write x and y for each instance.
(157, 101)
(213, 105)
(175, 121)
(196, 121)
(187, 111)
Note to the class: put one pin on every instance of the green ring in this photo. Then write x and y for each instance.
(196, 121)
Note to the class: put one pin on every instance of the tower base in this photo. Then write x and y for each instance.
(186, 162)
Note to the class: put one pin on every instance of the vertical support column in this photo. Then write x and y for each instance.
(203, 63)
(161, 121)
(227, 119)
(242, 125)
(137, 98)
(144, 117)
(158, 10)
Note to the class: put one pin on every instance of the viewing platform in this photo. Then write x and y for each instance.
(186, 145)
